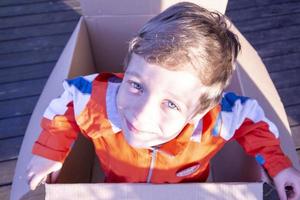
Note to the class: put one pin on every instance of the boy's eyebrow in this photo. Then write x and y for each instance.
(133, 73)
(178, 98)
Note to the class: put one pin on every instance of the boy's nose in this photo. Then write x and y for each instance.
(148, 111)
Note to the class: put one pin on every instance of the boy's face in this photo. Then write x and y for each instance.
(155, 103)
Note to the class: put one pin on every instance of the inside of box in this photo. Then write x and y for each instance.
(101, 46)
(241, 167)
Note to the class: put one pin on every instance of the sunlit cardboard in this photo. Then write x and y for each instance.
(99, 44)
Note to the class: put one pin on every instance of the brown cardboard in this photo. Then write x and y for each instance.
(252, 79)
(137, 7)
(190, 191)
(256, 83)
(109, 42)
(99, 43)
(77, 45)
(112, 26)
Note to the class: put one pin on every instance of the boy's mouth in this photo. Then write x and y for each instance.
(130, 127)
(133, 129)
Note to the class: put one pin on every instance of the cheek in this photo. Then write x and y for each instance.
(125, 100)
(122, 98)
(173, 126)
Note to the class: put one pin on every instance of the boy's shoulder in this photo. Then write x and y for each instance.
(92, 87)
(236, 109)
(238, 106)
(83, 84)
(231, 100)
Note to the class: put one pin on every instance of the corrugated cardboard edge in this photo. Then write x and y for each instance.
(145, 7)
(190, 191)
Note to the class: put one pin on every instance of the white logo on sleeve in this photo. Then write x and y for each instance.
(188, 171)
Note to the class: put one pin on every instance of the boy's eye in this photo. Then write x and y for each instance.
(136, 85)
(172, 105)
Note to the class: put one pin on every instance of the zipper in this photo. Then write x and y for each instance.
(153, 158)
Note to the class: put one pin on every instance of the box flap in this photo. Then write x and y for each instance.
(255, 82)
(252, 79)
(112, 26)
(137, 7)
(191, 191)
(110, 36)
(64, 68)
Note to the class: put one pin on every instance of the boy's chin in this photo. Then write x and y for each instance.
(133, 142)
(138, 145)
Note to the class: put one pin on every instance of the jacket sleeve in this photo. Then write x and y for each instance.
(59, 128)
(258, 136)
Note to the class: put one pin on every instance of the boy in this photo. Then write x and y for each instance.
(167, 115)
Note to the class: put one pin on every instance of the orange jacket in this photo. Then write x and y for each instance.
(87, 106)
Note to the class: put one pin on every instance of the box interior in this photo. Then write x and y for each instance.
(107, 29)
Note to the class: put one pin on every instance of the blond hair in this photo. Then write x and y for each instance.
(186, 33)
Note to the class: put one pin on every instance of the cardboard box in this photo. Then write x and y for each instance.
(99, 43)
